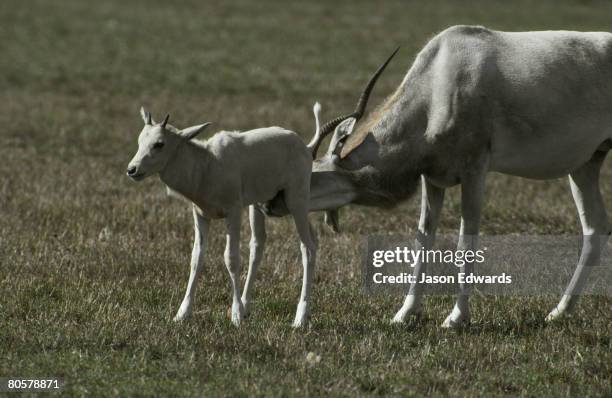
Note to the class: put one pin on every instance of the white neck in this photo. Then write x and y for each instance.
(186, 170)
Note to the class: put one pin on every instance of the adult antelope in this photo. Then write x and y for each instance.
(530, 104)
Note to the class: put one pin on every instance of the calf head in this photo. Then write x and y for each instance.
(157, 145)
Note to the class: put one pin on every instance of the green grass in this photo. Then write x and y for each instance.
(95, 307)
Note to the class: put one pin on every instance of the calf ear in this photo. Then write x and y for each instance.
(191, 132)
(343, 130)
(146, 116)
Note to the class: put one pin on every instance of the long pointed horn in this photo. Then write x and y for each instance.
(324, 131)
(357, 114)
(365, 95)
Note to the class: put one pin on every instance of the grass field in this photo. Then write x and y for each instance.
(93, 266)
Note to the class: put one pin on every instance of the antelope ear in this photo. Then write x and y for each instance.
(343, 130)
(146, 116)
(191, 132)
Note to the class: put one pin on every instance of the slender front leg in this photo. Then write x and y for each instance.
(595, 229)
(472, 192)
(232, 262)
(298, 206)
(308, 247)
(432, 199)
(197, 260)
(256, 246)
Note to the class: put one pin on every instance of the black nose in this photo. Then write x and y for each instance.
(131, 170)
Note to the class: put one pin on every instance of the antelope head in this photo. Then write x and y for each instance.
(331, 186)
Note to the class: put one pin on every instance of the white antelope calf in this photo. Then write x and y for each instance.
(220, 177)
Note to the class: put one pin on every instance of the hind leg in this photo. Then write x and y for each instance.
(584, 183)
(232, 262)
(298, 206)
(256, 247)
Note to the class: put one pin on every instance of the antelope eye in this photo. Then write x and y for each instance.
(158, 145)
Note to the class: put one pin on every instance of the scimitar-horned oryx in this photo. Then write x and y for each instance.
(530, 104)
(222, 175)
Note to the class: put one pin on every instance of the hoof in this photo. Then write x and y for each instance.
(238, 314)
(299, 323)
(402, 314)
(247, 307)
(237, 319)
(180, 318)
(556, 315)
(456, 320)
(301, 315)
(182, 314)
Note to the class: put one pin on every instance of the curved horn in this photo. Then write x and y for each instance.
(357, 114)
(324, 132)
(365, 95)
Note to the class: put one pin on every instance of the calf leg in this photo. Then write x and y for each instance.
(308, 246)
(197, 259)
(584, 183)
(432, 198)
(232, 262)
(472, 192)
(256, 246)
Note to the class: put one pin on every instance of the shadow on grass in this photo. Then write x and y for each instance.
(508, 327)
(526, 326)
